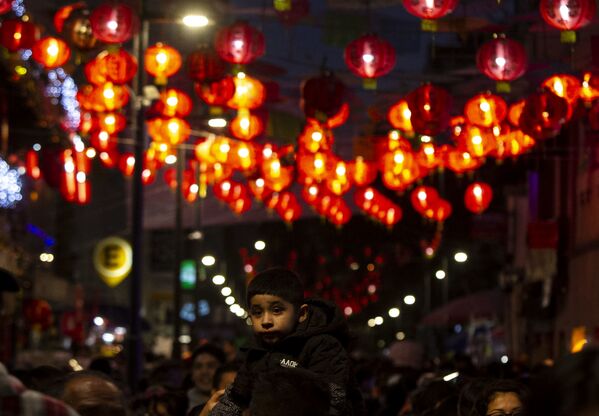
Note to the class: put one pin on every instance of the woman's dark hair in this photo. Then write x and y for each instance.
(476, 395)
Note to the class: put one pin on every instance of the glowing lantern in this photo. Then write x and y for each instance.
(118, 67)
(173, 103)
(502, 60)
(64, 13)
(77, 29)
(440, 212)
(87, 122)
(322, 97)
(51, 52)
(515, 111)
(243, 156)
(429, 106)
(109, 97)
(485, 110)
(112, 123)
(335, 210)
(239, 43)
(477, 141)
(370, 57)
(567, 16)
(173, 131)
(103, 142)
(32, 165)
(162, 61)
(249, 93)
(246, 126)
(564, 86)
(362, 172)
(127, 164)
(338, 181)
(423, 197)
(429, 11)
(5, 6)
(543, 115)
(216, 93)
(113, 22)
(339, 118)
(314, 138)
(460, 161)
(204, 65)
(590, 87)
(313, 165)
(428, 156)
(478, 197)
(397, 161)
(399, 116)
(17, 34)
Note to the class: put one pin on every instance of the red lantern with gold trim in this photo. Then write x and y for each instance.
(543, 115)
(118, 67)
(568, 16)
(249, 93)
(564, 86)
(17, 34)
(485, 110)
(423, 197)
(246, 126)
(216, 93)
(51, 52)
(162, 61)
(478, 197)
(108, 97)
(429, 10)
(429, 106)
(370, 57)
(503, 60)
(173, 103)
(77, 29)
(205, 65)
(239, 43)
(114, 22)
(112, 123)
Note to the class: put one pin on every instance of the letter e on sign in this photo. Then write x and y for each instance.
(112, 259)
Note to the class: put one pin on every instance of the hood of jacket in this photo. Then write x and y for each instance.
(324, 317)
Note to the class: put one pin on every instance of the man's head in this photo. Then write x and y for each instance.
(275, 300)
(204, 362)
(93, 394)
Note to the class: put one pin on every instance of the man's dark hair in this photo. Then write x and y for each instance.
(279, 282)
(214, 350)
(290, 392)
(476, 395)
(232, 367)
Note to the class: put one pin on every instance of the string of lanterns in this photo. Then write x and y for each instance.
(489, 126)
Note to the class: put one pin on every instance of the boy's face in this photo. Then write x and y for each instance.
(273, 318)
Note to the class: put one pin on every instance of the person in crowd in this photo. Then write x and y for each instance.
(92, 394)
(42, 378)
(204, 362)
(571, 388)
(223, 378)
(292, 333)
(482, 397)
(16, 400)
(436, 397)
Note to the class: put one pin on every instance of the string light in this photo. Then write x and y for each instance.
(10, 186)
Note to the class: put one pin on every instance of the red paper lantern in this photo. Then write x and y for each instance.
(399, 116)
(16, 34)
(423, 197)
(246, 126)
(216, 93)
(322, 97)
(108, 97)
(114, 22)
(5, 6)
(204, 65)
(340, 118)
(429, 106)
(162, 61)
(239, 43)
(78, 31)
(249, 93)
(478, 197)
(485, 110)
(429, 10)
(118, 67)
(127, 164)
(543, 115)
(568, 15)
(63, 14)
(440, 211)
(565, 86)
(515, 111)
(590, 87)
(173, 103)
(370, 57)
(502, 60)
(51, 52)
(111, 123)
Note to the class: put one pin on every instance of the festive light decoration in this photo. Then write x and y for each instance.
(568, 16)
(10, 186)
(51, 52)
(17, 34)
(173, 103)
(32, 165)
(322, 96)
(423, 198)
(589, 90)
(370, 57)
(77, 29)
(291, 11)
(5, 6)
(204, 65)
(565, 86)
(429, 106)
(246, 126)
(216, 93)
(239, 43)
(63, 14)
(114, 22)
(429, 11)
(399, 116)
(377, 206)
(116, 66)
(543, 115)
(478, 197)
(249, 93)
(503, 60)
(485, 110)
(162, 61)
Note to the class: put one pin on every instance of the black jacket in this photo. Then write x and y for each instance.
(317, 345)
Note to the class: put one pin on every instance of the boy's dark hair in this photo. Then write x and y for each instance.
(232, 367)
(279, 282)
(214, 350)
(290, 392)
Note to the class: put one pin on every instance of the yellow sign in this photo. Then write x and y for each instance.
(112, 259)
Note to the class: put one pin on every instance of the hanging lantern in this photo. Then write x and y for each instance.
(399, 116)
(239, 43)
(249, 93)
(370, 57)
(216, 93)
(338, 181)
(173, 131)
(460, 161)
(314, 138)
(173, 103)
(568, 16)
(17, 34)
(429, 11)
(116, 66)
(51, 52)
(322, 96)
(32, 165)
(243, 157)
(5, 6)
(440, 212)
(429, 106)
(204, 65)
(103, 142)
(423, 197)
(428, 156)
(114, 22)
(478, 197)
(63, 14)
(127, 164)
(590, 87)
(162, 61)
(112, 123)
(362, 172)
(485, 110)
(515, 111)
(77, 29)
(313, 165)
(477, 141)
(109, 97)
(340, 118)
(543, 115)
(565, 86)
(246, 126)
(503, 60)
(291, 11)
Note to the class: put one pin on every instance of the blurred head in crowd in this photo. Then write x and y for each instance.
(436, 397)
(275, 300)
(93, 394)
(492, 398)
(224, 376)
(571, 388)
(204, 361)
(43, 378)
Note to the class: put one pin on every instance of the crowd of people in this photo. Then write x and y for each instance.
(301, 364)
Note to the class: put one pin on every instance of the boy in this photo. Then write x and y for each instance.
(291, 333)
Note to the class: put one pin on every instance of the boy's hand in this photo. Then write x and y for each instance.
(211, 403)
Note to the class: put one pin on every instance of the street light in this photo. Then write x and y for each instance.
(208, 261)
(218, 280)
(460, 257)
(440, 274)
(394, 312)
(226, 291)
(259, 245)
(195, 20)
(409, 300)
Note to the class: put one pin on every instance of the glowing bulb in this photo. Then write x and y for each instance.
(245, 123)
(409, 300)
(371, 323)
(208, 260)
(229, 300)
(398, 158)
(172, 101)
(238, 43)
(559, 87)
(340, 170)
(112, 25)
(317, 136)
(260, 183)
(394, 135)
(52, 48)
(379, 320)
(429, 150)
(427, 107)
(564, 12)
(368, 58)
(259, 245)
(80, 177)
(226, 291)
(170, 159)
(161, 58)
(131, 161)
(195, 21)
(477, 140)
(17, 35)
(69, 166)
(173, 127)
(500, 61)
(110, 120)
(426, 139)
(218, 280)
(318, 164)
(217, 123)
(394, 312)
(484, 106)
(460, 257)
(224, 148)
(422, 195)
(477, 191)
(243, 152)
(108, 93)
(369, 195)
(226, 186)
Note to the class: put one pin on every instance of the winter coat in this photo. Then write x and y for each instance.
(317, 345)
